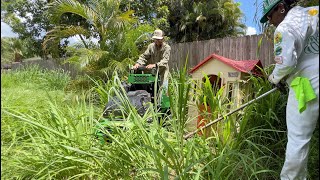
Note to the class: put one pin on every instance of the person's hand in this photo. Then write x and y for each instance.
(136, 66)
(271, 79)
(280, 85)
(150, 66)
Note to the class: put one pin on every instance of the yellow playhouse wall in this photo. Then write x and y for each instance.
(214, 67)
(211, 67)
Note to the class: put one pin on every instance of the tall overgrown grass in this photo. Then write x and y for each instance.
(49, 133)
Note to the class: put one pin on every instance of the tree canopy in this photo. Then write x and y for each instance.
(114, 32)
(29, 19)
(203, 20)
(186, 20)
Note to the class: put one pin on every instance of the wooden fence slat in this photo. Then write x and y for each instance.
(239, 48)
(247, 48)
(234, 46)
(206, 49)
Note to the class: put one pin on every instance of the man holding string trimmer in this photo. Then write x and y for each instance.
(296, 49)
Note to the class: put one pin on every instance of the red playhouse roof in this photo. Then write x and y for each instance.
(245, 66)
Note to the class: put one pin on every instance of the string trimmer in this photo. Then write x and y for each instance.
(221, 118)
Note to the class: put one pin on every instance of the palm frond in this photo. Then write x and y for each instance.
(57, 33)
(127, 17)
(121, 67)
(85, 56)
(60, 7)
(120, 21)
(68, 31)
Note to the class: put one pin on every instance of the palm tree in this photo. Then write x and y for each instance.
(104, 21)
(202, 20)
(103, 18)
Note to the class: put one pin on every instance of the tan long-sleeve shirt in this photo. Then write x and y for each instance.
(158, 56)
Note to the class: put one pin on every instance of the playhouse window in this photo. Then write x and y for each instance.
(231, 90)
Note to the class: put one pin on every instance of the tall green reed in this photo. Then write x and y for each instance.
(58, 137)
(36, 77)
(40, 130)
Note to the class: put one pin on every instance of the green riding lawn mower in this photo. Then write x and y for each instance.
(142, 88)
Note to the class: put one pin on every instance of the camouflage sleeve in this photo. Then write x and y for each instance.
(165, 57)
(143, 58)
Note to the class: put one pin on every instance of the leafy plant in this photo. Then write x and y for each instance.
(13, 50)
(104, 19)
(50, 134)
(28, 19)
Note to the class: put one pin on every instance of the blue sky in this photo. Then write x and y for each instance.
(6, 31)
(247, 7)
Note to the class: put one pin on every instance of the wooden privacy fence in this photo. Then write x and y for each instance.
(236, 48)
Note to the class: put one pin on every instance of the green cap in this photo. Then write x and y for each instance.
(267, 6)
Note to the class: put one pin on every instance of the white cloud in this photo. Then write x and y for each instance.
(6, 31)
(251, 31)
(76, 39)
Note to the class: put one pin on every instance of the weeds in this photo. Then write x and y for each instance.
(48, 133)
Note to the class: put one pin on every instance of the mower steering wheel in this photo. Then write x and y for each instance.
(143, 68)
